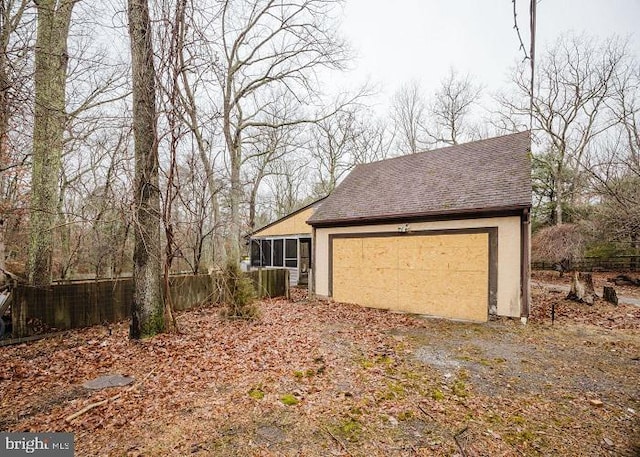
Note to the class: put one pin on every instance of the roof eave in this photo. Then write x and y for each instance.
(293, 213)
(470, 213)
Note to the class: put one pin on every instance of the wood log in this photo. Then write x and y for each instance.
(582, 288)
(624, 280)
(609, 294)
(77, 414)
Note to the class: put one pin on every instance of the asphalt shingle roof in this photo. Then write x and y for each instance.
(485, 175)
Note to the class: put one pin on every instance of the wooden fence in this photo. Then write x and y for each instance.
(618, 263)
(272, 282)
(84, 303)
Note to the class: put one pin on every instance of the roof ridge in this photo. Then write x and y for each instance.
(444, 148)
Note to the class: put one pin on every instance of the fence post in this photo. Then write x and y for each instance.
(19, 314)
(287, 289)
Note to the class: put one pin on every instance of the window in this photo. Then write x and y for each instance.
(266, 253)
(255, 253)
(291, 253)
(278, 254)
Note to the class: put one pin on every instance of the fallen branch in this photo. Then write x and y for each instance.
(88, 408)
(425, 412)
(455, 438)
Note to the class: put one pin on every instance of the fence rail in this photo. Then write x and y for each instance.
(85, 303)
(618, 263)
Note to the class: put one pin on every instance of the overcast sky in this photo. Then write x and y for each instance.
(400, 40)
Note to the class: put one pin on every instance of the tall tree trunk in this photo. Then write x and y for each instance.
(253, 198)
(234, 146)
(51, 59)
(147, 313)
(2, 246)
(236, 196)
(4, 147)
(558, 191)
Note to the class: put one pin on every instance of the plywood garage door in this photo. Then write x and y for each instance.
(443, 275)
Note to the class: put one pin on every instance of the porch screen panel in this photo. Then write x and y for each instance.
(255, 253)
(278, 253)
(266, 253)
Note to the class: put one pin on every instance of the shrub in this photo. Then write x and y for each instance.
(239, 294)
(559, 244)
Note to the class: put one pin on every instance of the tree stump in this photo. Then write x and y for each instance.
(582, 288)
(609, 294)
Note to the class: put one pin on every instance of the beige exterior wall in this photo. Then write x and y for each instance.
(508, 290)
(295, 224)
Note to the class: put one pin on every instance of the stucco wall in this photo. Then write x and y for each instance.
(508, 290)
(293, 225)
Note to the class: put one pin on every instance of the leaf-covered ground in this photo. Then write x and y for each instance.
(312, 378)
(600, 279)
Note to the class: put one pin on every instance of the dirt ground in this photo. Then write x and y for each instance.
(312, 378)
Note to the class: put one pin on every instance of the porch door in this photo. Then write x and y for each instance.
(305, 261)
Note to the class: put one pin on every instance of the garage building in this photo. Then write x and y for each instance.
(443, 232)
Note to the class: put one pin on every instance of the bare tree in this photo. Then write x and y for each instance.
(194, 222)
(615, 171)
(268, 44)
(194, 121)
(288, 187)
(147, 316)
(574, 82)
(334, 144)
(15, 34)
(450, 110)
(375, 141)
(51, 59)
(263, 150)
(409, 116)
(11, 17)
(188, 111)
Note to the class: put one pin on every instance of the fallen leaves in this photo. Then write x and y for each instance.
(601, 314)
(319, 378)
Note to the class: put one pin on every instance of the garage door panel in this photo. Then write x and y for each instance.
(468, 281)
(341, 277)
(381, 297)
(462, 307)
(380, 277)
(443, 274)
(374, 277)
(347, 253)
(465, 307)
(378, 297)
(380, 252)
(351, 282)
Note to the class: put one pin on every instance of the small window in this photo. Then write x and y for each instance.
(292, 249)
(255, 253)
(291, 253)
(278, 253)
(266, 253)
